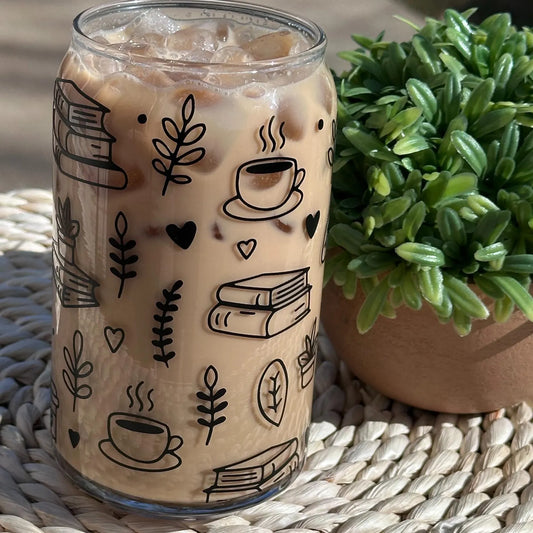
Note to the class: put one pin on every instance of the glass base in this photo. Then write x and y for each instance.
(187, 512)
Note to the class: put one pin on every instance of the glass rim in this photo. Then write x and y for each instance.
(310, 29)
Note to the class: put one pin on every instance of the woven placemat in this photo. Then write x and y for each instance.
(374, 465)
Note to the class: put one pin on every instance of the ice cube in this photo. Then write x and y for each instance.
(231, 55)
(292, 116)
(150, 21)
(191, 39)
(271, 45)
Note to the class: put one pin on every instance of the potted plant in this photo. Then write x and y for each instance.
(431, 222)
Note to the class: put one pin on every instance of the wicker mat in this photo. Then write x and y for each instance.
(374, 465)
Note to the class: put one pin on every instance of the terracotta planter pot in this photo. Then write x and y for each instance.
(415, 359)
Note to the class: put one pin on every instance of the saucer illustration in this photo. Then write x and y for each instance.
(236, 208)
(169, 461)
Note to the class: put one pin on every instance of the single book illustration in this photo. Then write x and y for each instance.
(255, 474)
(82, 146)
(74, 287)
(263, 305)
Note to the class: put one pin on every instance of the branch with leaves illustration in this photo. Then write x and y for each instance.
(211, 406)
(163, 331)
(122, 246)
(175, 152)
(77, 370)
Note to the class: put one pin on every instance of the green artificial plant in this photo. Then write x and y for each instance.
(433, 174)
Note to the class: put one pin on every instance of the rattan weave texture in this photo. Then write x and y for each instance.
(374, 464)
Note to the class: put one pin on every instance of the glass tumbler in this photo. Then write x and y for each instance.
(193, 152)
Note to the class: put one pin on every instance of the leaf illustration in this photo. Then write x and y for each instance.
(161, 330)
(77, 370)
(187, 135)
(210, 397)
(272, 392)
(122, 245)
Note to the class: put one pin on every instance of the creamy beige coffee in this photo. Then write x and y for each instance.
(192, 152)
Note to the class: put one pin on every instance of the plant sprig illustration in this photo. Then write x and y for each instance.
(176, 153)
(163, 329)
(211, 397)
(122, 259)
(66, 226)
(77, 370)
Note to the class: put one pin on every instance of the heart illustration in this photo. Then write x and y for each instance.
(311, 223)
(246, 248)
(183, 236)
(74, 437)
(114, 338)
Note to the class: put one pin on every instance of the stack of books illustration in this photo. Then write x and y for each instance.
(82, 146)
(263, 305)
(257, 473)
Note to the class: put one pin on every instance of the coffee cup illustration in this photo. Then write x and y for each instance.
(140, 443)
(266, 188)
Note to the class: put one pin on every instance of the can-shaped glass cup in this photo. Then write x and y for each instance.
(193, 145)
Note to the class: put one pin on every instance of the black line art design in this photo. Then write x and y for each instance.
(140, 442)
(74, 287)
(311, 223)
(163, 319)
(246, 248)
(261, 306)
(182, 236)
(122, 246)
(331, 149)
(307, 359)
(114, 338)
(272, 392)
(74, 437)
(266, 188)
(178, 138)
(142, 118)
(82, 146)
(255, 474)
(267, 136)
(54, 406)
(77, 370)
(324, 242)
(210, 408)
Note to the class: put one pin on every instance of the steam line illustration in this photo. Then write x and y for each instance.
(271, 138)
(138, 397)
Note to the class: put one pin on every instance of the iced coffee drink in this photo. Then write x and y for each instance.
(193, 152)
